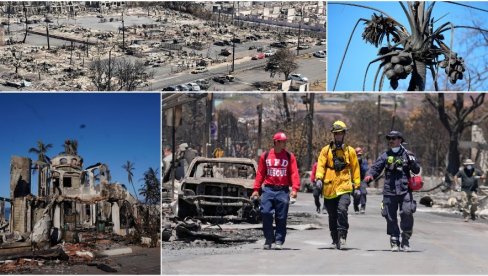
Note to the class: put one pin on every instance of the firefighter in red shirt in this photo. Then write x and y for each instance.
(277, 170)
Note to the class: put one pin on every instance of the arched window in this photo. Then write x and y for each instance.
(63, 161)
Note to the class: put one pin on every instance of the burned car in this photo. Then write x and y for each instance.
(218, 189)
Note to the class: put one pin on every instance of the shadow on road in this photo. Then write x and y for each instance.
(388, 250)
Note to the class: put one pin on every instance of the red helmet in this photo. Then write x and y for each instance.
(279, 136)
(359, 151)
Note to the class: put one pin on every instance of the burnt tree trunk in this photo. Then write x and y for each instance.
(417, 82)
(287, 110)
(26, 27)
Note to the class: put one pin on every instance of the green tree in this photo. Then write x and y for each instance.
(129, 168)
(151, 191)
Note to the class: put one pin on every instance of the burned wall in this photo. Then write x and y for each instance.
(20, 188)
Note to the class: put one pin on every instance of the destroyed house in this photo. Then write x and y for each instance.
(70, 198)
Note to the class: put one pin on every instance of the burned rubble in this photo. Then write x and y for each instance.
(79, 216)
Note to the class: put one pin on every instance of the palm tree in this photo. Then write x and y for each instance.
(42, 160)
(151, 191)
(129, 167)
(411, 52)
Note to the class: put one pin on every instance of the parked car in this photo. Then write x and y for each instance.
(170, 88)
(303, 46)
(297, 77)
(218, 188)
(199, 69)
(219, 43)
(203, 83)
(319, 54)
(306, 184)
(225, 52)
(322, 41)
(230, 77)
(269, 53)
(193, 86)
(258, 56)
(280, 44)
(182, 87)
(220, 79)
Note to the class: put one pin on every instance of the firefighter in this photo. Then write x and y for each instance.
(469, 188)
(359, 195)
(337, 173)
(398, 163)
(278, 171)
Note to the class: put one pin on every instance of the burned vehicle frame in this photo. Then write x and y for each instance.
(216, 189)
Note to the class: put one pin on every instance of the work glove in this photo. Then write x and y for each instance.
(319, 184)
(357, 193)
(368, 178)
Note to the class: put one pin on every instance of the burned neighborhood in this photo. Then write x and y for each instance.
(169, 46)
(214, 208)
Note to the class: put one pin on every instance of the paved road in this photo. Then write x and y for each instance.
(441, 244)
(313, 67)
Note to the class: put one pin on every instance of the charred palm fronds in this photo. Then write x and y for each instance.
(379, 27)
(414, 52)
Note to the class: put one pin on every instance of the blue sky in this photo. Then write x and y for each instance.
(341, 21)
(110, 128)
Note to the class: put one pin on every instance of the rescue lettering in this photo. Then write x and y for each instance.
(276, 172)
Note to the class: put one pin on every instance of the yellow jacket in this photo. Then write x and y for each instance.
(337, 183)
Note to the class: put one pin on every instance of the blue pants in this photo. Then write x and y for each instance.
(407, 206)
(275, 202)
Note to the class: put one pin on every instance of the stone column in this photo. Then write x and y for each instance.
(57, 217)
(116, 217)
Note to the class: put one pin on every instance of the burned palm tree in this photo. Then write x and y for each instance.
(410, 52)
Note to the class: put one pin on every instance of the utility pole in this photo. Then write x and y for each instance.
(309, 160)
(123, 31)
(299, 31)
(208, 121)
(218, 23)
(378, 133)
(47, 35)
(233, 51)
(260, 119)
(109, 69)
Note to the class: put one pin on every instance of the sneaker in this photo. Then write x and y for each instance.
(267, 246)
(362, 211)
(466, 219)
(278, 246)
(324, 211)
(318, 210)
(405, 246)
(342, 242)
(394, 242)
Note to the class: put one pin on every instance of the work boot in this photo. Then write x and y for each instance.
(473, 216)
(405, 245)
(394, 242)
(278, 246)
(335, 240)
(267, 246)
(466, 219)
(324, 211)
(318, 210)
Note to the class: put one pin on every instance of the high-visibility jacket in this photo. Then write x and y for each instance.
(335, 182)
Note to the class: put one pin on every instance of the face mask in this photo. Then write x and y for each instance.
(395, 149)
(469, 167)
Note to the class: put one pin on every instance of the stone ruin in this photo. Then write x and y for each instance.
(70, 197)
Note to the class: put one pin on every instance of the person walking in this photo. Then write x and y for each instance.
(278, 171)
(359, 195)
(398, 163)
(317, 192)
(469, 188)
(337, 173)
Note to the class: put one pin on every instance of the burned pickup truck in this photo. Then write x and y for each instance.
(218, 189)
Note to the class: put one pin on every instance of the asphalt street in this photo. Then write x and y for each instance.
(441, 244)
(246, 72)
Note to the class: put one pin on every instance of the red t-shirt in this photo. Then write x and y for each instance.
(314, 170)
(277, 169)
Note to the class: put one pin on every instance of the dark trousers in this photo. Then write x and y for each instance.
(316, 196)
(337, 209)
(361, 199)
(407, 206)
(275, 202)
